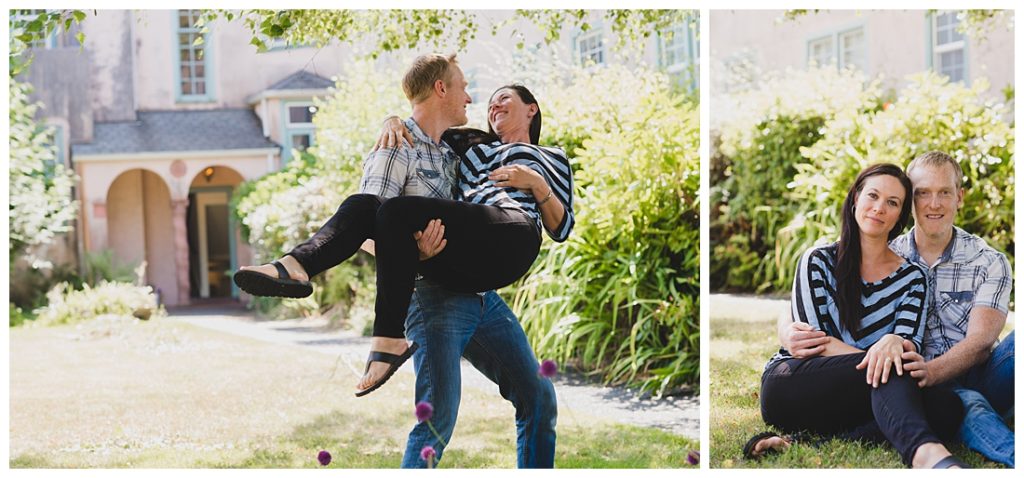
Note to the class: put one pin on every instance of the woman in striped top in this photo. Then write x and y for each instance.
(510, 189)
(870, 303)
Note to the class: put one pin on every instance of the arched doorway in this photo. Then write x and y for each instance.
(212, 233)
(140, 228)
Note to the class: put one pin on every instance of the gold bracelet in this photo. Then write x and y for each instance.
(546, 198)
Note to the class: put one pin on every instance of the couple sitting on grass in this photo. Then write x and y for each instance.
(442, 246)
(892, 337)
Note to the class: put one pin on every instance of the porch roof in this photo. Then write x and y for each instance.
(173, 131)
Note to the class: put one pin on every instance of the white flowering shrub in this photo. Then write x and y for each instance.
(66, 305)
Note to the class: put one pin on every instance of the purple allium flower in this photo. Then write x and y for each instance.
(424, 410)
(548, 368)
(324, 457)
(428, 453)
(693, 457)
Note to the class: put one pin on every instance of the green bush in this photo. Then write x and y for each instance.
(65, 305)
(815, 151)
(620, 297)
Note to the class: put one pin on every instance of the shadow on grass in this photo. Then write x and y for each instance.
(478, 443)
(735, 380)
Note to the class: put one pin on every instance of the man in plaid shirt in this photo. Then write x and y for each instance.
(448, 325)
(968, 295)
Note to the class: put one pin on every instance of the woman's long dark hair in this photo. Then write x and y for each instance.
(462, 139)
(849, 286)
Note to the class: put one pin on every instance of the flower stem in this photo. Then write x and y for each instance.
(436, 434)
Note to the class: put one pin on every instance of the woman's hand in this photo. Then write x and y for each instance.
(519, 177)
(391, 133)
(881, 358)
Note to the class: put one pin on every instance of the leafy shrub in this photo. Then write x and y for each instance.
(66, 305)
(620, 297)
(784, 164)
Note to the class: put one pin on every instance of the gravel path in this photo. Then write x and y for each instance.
(677, 414)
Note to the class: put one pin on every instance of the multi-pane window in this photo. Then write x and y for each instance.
(20, 19)
(590, 47)
(845, 49)
(192, 70)
(679, 54)
(948, 47)
(820, 51)
(298, 127)
(851, 49)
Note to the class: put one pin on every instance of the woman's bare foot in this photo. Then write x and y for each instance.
(295, 270)
(378, 369)
(765, 445)
(929, 454)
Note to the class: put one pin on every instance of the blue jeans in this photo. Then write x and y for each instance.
(449, 325)
(986, 391)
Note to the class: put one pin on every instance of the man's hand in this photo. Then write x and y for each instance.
(430, 240)
(392, 133)
(802, 341)
(881, 358)
(914, 363)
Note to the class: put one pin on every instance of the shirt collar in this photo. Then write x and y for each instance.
(959, 250)
(419, 135)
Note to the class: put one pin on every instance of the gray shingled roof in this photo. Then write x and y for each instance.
(302, 80)
(163, 131)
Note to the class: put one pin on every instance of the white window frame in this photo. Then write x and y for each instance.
(585, 56)
(836, 48)
(686, 48)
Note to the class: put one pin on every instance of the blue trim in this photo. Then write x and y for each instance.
(232, 247)
(929, 40)
(209, 79)
(287, 131)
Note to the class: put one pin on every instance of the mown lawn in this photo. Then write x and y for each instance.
(164, 394)
(739, 350)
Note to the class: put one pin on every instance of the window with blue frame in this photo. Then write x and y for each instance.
(298, 132)
(27, 16)
(679, 54)
(193, 74)
(844, 49)
(590, 46)
(949, 48)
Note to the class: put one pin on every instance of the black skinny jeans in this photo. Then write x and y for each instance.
(488, 247)
(829, 397)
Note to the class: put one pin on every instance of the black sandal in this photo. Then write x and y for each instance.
(257, 283)
(394, 363)
(949, 462)
(748, 448)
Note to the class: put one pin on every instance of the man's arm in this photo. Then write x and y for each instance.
(799, 338)
(386, 171)
(983, 329)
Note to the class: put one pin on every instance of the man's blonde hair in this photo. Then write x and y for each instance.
(425, 71)
(938, 159)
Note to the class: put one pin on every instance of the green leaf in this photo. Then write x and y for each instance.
(80, 36)
(79, 15)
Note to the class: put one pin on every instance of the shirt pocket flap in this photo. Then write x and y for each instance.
(428, 173)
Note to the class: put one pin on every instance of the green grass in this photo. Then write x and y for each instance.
(164, 394)
(739, 350)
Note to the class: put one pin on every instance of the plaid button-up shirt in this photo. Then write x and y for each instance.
(969, 273)
(425, 169)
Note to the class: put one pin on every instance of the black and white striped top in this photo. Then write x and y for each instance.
(550, 162)
(894, 305)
